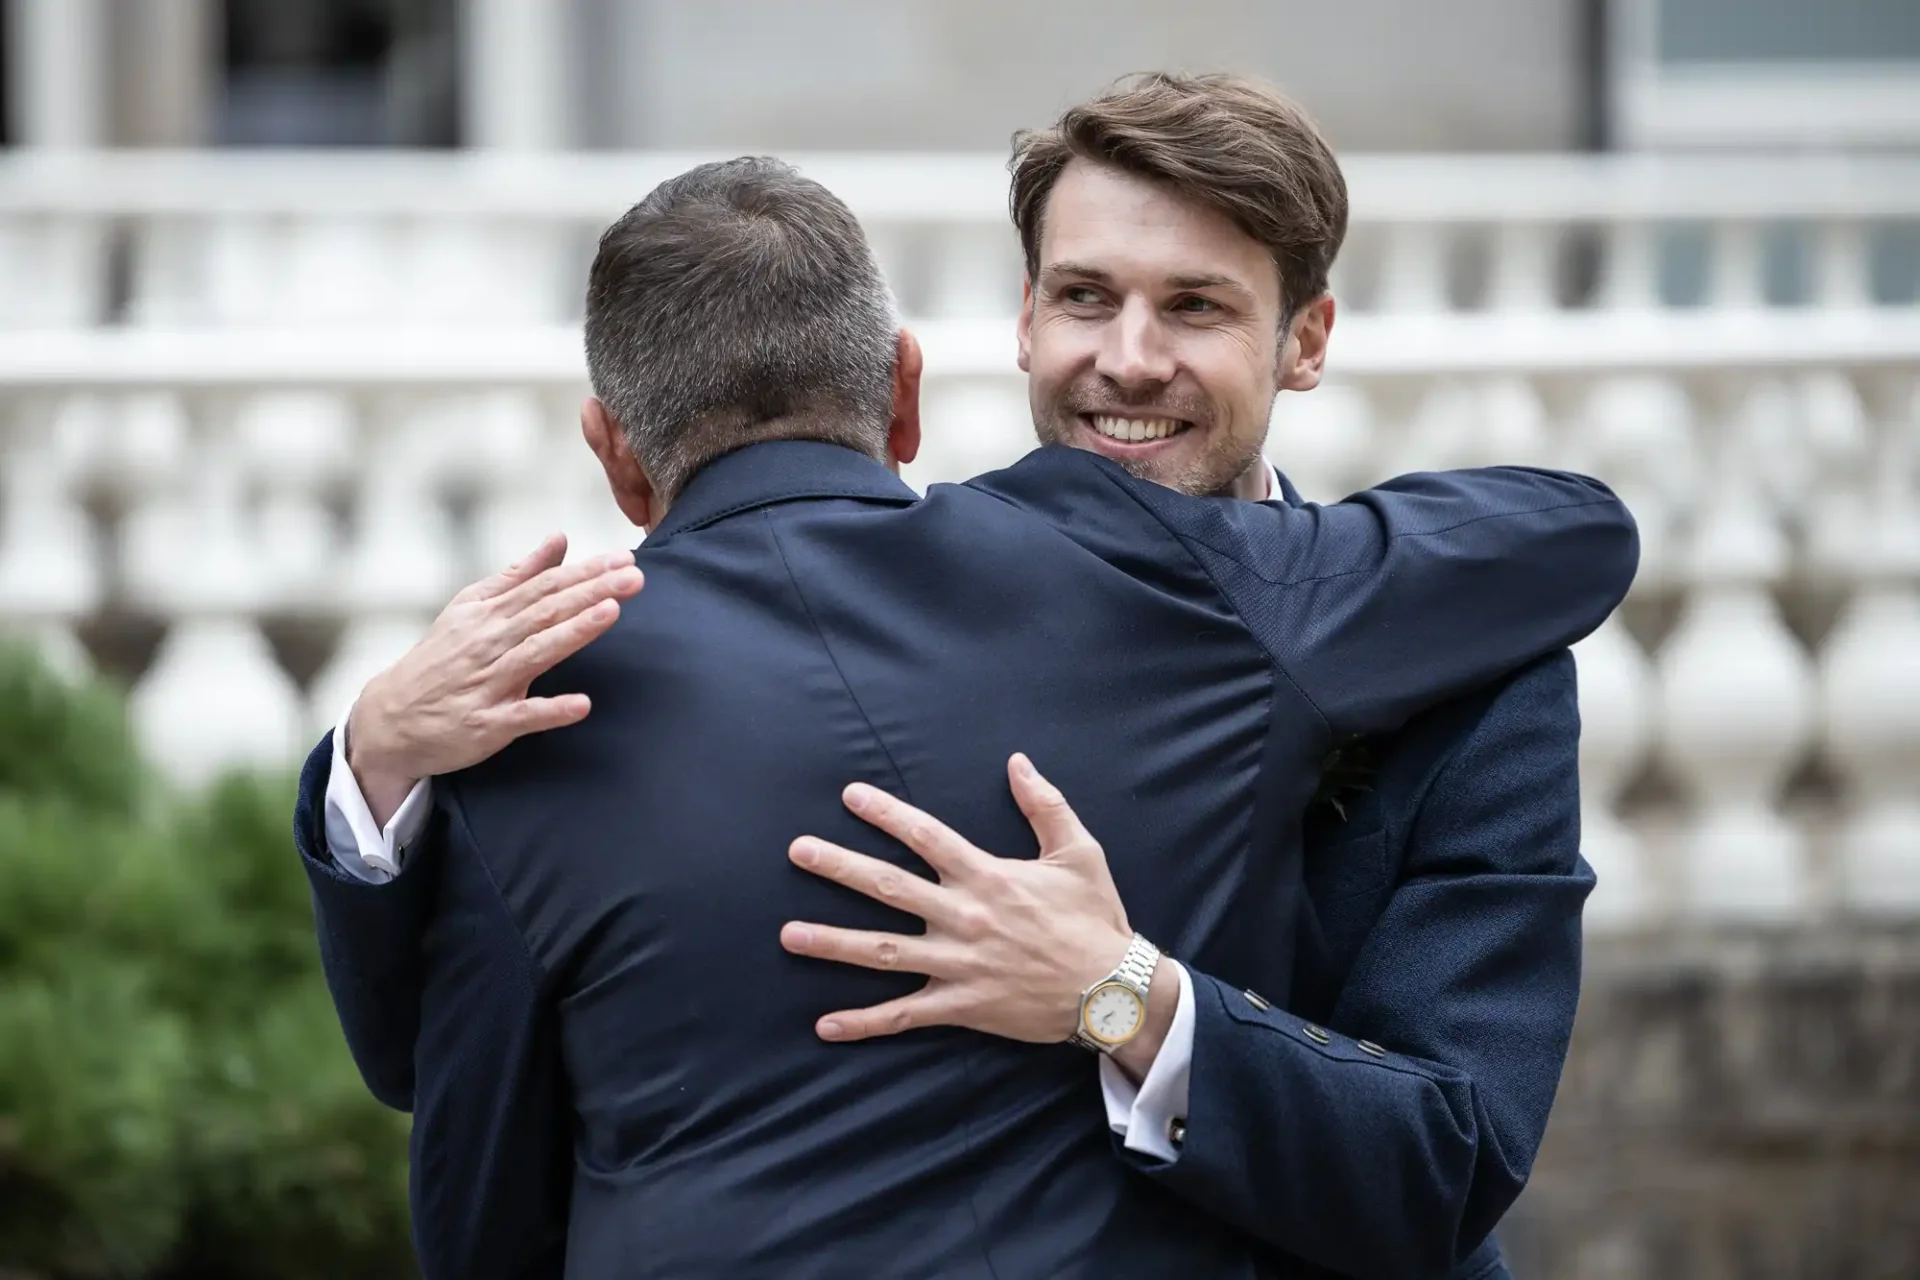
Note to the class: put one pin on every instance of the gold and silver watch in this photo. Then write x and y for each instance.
(1113, 1010)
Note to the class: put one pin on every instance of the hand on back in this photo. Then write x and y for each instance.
(460, 694)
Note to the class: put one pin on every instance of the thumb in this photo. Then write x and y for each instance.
(1053, 820)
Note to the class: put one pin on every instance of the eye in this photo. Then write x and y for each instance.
(1194, 304)
(1080, 295)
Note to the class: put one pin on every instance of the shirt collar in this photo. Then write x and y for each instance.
(1279, 488)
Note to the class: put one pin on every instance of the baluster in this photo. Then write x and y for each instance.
(298, 443)
(52, 271)
(1323, 440)
(1413, 272)
(1631, 279)
(169, 285)
(976, 274)
(1525, 267)
(137, 444)
(1513, 425)
(443, 262)
(972, 425)
(400, 557)
(338, 269)
(49, 569)
(551, 494)
(1871, 693)
(215, 697)
(1617, 712)
(400, 570)
(245, 260)
(1638, 436)
(1836, 431)
(1735, 280)
(1738, 707)
(500, 434)
(1842, 270)
(539, 282)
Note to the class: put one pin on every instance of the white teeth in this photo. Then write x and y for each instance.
(1134, 428)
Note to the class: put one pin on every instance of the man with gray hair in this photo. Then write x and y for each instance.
(617, 1069)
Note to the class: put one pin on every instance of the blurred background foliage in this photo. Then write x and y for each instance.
(175, 1096)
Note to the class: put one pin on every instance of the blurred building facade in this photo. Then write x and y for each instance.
(265, 403)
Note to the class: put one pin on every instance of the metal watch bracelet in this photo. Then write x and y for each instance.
(1135, 971)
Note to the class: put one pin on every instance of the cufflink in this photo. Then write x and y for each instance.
(1177, 1131)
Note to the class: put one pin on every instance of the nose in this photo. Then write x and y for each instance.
(1134, 352)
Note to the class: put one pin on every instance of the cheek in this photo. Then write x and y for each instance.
(1237, 376)
(1055, 353)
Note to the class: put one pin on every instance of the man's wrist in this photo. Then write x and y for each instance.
(1136, 1056)
(384, 784)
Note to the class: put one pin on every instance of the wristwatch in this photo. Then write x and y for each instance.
(1113, 1010)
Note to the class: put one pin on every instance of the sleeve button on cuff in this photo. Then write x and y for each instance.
(1368, 1046)
(1257, 1000)
(1315, 1034)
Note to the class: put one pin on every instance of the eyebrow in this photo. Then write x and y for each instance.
(1081, 271)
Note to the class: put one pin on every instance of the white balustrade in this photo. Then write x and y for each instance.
(341, 387)
(1617, 720)
(1738, 694)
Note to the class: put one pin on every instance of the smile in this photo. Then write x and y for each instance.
(1134, 429)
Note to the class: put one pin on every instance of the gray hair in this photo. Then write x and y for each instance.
(739, 302)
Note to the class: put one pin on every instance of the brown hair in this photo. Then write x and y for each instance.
(1223, 141)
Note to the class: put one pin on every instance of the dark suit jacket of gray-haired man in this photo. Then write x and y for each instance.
(615, 1067)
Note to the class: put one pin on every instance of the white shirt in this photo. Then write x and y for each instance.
(1143, 1115)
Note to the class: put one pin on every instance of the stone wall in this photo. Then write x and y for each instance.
(1736, 1107)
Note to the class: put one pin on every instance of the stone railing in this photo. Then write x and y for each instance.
(260, 415)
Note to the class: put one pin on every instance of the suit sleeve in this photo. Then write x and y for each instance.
(492, 1157)
(1400, 1162)
(1413, 592)
(369, 937)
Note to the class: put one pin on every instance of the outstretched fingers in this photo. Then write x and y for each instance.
(888, 952)
(927, 1007)
(881, 881)
(939, 846)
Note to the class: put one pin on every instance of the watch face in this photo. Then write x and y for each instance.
(1113, 1013)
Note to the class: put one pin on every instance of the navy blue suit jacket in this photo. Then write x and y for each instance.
(614, 1060)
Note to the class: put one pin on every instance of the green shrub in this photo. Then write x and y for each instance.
(175, 1095)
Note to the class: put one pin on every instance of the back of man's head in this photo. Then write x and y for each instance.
(739, 302)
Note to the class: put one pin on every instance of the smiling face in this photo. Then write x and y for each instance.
(1152, 333)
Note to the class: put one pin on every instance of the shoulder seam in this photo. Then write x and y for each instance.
(827, 648)
(1326, 726)
(457, 812)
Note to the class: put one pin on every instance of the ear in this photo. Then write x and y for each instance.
(632, 490)
(903, 429)
(1024, 327)
(1304, 357)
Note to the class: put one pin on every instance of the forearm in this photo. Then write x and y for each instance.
(369, 934)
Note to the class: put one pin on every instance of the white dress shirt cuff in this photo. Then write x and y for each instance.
(1143, 1113)
(359, 846)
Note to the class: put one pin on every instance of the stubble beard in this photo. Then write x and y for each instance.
(1210, 474)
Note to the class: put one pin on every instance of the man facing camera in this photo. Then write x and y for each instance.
(614, 1046)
